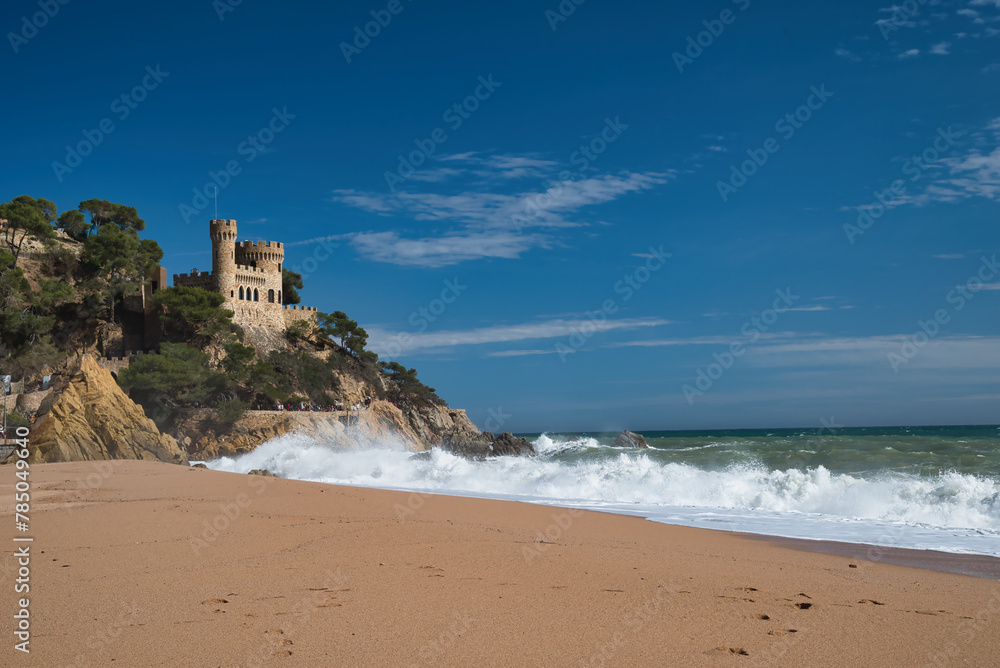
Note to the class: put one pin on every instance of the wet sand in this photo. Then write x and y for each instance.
(148, 564)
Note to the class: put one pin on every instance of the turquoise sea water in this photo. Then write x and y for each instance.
(920, 451)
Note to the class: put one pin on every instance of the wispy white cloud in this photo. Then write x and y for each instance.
(447, 340)
(941, 49)
(970, 14)
(976, 173)
(486, 224)
(911, 53)
(943, 352)
(443, 251)
(841, 52)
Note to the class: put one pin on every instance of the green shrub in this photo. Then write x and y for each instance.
(230, 410)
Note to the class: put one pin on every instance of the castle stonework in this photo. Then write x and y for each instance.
(248, 275)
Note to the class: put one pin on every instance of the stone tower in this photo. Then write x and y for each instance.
(223, 234)
(248, 275)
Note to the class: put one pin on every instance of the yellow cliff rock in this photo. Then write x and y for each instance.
(93, 419)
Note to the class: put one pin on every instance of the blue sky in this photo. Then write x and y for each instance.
(643, 215)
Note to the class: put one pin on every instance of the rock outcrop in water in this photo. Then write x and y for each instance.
(93, 419)
(383, 424)
(629, 439)
(480, 446)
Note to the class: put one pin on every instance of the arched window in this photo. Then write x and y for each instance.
(241, 292)
(279, 296)
(255, 296)
(270, 296)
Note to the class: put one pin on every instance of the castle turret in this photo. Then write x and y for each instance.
(224, 257)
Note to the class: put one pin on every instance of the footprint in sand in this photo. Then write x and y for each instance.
(870, 601)
(781, 632)
(803, 606)
(739, 650)
(214, 601)
(330, 602)
(763, 618)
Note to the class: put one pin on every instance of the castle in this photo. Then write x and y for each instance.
(248, 275)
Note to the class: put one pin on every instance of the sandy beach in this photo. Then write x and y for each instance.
(149, 564)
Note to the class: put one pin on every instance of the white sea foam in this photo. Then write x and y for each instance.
(951, 511)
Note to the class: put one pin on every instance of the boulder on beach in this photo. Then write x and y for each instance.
(629, 439)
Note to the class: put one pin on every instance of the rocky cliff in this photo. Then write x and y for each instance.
(382, 424)
(92, 418)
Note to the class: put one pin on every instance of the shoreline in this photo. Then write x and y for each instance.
(957, 563)
(157, 564)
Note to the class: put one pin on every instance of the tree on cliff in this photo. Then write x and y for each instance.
(406, 382)
(337, 325)
(193, 314)
(26, 216)
(119, 261)
(289, 282)
(28, 319)
(73, 223)
(103, 212)
(179, 374)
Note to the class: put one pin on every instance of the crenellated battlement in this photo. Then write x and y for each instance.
(295, 307)
(260, 245)
(251, 270)
(204, 275)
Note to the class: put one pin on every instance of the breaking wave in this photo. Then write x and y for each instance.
(951, 508)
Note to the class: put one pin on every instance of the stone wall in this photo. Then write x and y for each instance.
(295, 313)
(256, 313)
(116, 364)
(194, 280)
